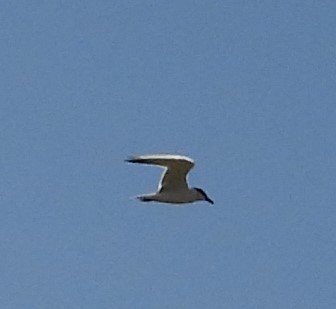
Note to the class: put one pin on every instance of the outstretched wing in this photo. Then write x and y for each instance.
(177, 168)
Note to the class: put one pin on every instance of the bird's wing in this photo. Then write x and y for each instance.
(177, 168)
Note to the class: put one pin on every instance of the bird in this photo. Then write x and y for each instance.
(173, 186)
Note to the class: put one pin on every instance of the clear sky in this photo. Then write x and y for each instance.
(245, 88)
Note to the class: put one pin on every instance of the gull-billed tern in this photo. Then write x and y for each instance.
(173, 186)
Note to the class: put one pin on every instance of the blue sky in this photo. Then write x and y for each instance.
(246, 88)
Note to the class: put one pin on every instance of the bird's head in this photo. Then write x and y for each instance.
(202, 196)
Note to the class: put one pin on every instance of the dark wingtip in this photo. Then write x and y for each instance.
(144, 198)
(210, 201)
(130, 160)
(206, 198)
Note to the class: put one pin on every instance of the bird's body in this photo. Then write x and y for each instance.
(173, 187)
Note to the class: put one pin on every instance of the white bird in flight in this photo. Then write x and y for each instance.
(173, 186)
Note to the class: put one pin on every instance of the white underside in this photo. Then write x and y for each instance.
(183, 197)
